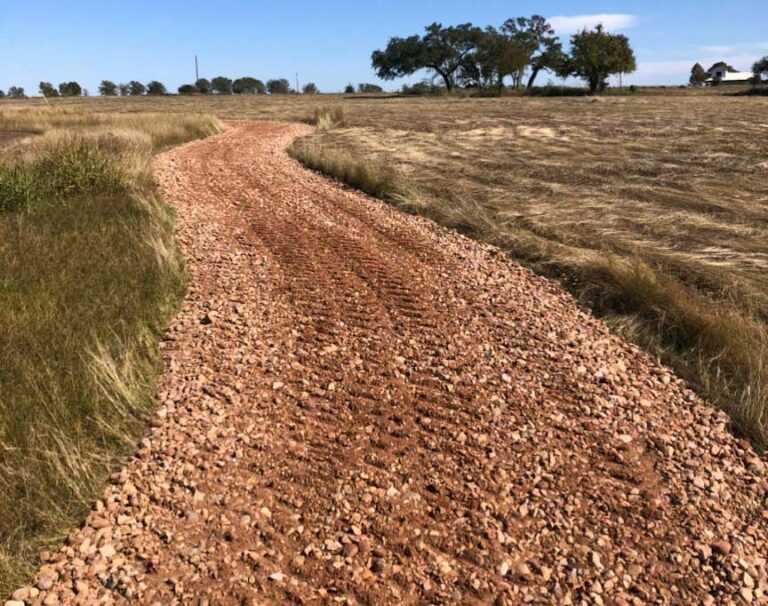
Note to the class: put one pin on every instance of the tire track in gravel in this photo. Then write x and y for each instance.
(361, 407)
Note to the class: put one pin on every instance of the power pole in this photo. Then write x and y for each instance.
(197, 73)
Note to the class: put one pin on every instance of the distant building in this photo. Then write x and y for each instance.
(723, 73)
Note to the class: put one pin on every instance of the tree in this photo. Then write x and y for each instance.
(70, 89)
(310, 88)
(498, 55)
(122, 88)
(441, 49)
(2, 93)
(203, 86)
(136, 88)
(364, 87)
(107, 88)
(156, 88)
(538, 38)
(248, 86)
(16, 92)
(722, 65)
(698, 75)
(278, 87)
(47, 90)
(760, 69)
(187, 89)
(222, 85)
(349, 89)
(596, 54)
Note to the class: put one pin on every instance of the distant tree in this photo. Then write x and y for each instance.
(722, 65)
(16, 92)
(70, 89)
(222, 85)
(2, 93)
(597, 54)
(441, 49)
(107, 88)
(187, 89)
(123, 89)
(349, 89)
(310, 88)
(698, 75)
(156, 88)
(365, 87)
(278, 86)
(47, 90)
(86, 93)
(760, 69)
(248, 86)
(136, 88)
(203, 86)
(498, 55)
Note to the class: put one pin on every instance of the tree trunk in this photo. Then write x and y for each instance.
(534, 73)
(501, 84)
(447, 79)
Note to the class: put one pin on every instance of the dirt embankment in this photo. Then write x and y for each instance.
(360, 407)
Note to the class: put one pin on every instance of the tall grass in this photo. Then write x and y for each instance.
(721, 349)
(88, 278)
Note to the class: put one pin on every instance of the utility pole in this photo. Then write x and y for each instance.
(197, 73)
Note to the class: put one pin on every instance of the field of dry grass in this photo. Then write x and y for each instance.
(88, 277)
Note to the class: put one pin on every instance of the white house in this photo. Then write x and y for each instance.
(720, 72)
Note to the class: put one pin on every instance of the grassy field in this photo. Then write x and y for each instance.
(88, 277)
(652, 209)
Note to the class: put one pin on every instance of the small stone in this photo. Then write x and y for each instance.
(276, 576)
(721, 547)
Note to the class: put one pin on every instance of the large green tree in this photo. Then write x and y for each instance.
(597, 54)
(498, 55)
(70, 89)
(156, 88)
(47, 90)
(535, 36)
(222, 85)
(442, 50)
(760, 68)
(278, 86)
(136, 88)
(698, 75)
(107, 88)
(248, 86)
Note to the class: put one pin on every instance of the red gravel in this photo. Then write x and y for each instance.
(361, 407)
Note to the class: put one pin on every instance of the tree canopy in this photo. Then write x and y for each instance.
(597, 54)
(279, 86)
(248, 86)
(107, 88)
(760, 68)
(47, 90)
(70, 89)
(310, 88)
(441, 49)
(698, 75)
(222, 85)
(203, 86)
(16, 92)
(156, 88)
(136, 88)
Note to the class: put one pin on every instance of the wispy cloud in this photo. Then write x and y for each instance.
(717, 49)
(575, 23)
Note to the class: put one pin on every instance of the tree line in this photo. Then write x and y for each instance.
(219, 85)
(466, 55)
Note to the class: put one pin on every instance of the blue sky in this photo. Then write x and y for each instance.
(330, 42)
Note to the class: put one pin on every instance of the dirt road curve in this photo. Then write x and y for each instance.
(360, 407)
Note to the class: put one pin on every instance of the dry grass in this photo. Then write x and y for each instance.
(88, 277)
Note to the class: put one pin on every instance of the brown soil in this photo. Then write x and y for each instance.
(361, 407)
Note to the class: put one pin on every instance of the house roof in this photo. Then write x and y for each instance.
(734, 77)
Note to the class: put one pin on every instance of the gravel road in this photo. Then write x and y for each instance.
(360, 407)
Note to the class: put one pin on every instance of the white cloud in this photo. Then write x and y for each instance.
(575, 23)
(717, 49)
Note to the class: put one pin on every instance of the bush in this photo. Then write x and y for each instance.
(187, 89)
(107, 88)
(349, 89)
(310, 89)
(203, 86)
(369, 88)
(136, 88)
(70, 89)
(248, 86)
(327, 118)
(222, 85)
